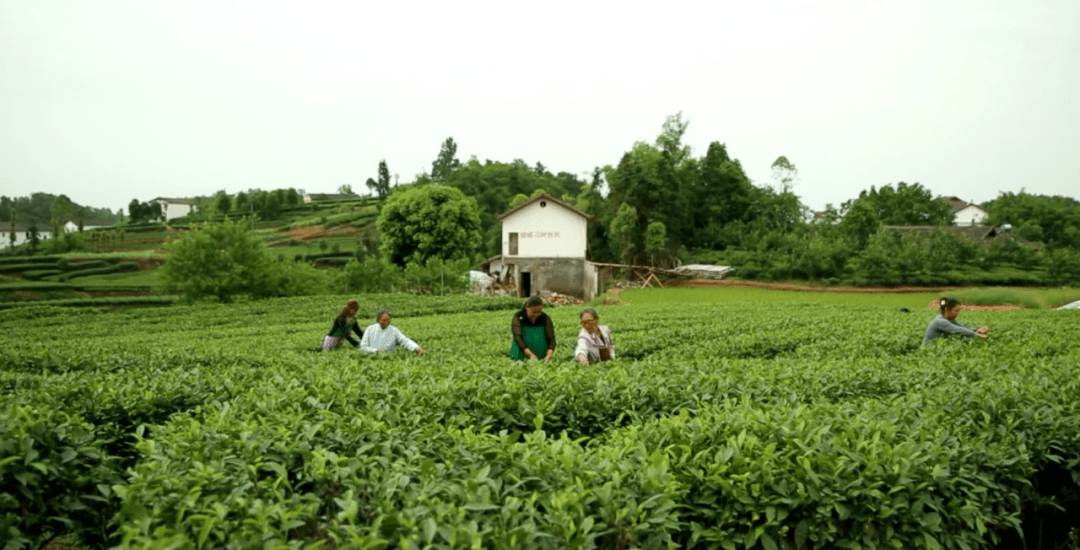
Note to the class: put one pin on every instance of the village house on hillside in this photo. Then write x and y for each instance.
(175, 208)
(21, 231)
(44, 231)
(316, 197)
(544, 244)
(965, 213)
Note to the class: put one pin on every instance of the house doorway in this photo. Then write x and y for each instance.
(526, 284)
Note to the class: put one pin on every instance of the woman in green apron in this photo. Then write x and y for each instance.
(534, 335)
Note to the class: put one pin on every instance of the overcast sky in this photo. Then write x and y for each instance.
(109, 100)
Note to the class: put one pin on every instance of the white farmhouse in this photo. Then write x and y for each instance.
(22, 231)
(175, 208)
(965, 213)
(544, 243)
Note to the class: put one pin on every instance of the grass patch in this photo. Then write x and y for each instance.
(1047, 298)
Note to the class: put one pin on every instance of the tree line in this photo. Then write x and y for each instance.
(47, 210)
(660, 204)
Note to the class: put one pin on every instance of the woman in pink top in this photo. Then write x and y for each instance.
(594, 340)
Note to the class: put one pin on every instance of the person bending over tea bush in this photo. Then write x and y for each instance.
(344, 323)
(945, 324)
(382, 337)
(533, 332)
(594, 340)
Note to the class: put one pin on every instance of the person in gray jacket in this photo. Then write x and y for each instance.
(946, 325)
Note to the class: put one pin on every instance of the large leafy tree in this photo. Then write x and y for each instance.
(1052, 220)
(906, 204)
(136, 212)
(218, 261)
(624, 232)
(222, 203)
(428, 221)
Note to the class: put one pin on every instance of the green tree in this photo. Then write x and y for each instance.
(1031, 231)
(1052, 220)
(33, 236)
(219, 260)
(522, 198)
(14, 215)
(905, 205)
(241, 203)
(719, 195)
(860, 222)
(430, 221)
(372, 274)
(784, 173)
(446, 163)
(656, 242)
(272, 208)
(153, 211)
(135, 211)
(81, 218)
(623, 233)
(222, 204)
(670, 138)
(381, 187)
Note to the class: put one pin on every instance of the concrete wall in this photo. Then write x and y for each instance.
(545, 229)
(175, 210)
(20, 235)
(969, 215)
(568, 276)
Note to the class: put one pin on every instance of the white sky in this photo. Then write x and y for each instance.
(109, 100)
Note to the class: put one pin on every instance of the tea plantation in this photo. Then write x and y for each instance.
(739, 425)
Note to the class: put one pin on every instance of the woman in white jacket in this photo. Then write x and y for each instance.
(594, 340)
(381, 336)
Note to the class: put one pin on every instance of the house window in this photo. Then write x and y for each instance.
(513, 244)
(543, 204)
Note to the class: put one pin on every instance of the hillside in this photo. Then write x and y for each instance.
(120, 262)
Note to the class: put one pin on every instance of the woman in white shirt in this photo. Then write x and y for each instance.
(594, 340)
(381, 336)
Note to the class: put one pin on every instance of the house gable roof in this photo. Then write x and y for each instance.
(547, 197)
(958, 204)
(174, 201)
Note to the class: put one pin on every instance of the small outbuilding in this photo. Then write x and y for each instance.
(544, 246)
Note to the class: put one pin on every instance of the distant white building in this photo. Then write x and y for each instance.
(21, 230)
(175, 208)
(316, 197)
(544, 244)
(965, 213)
